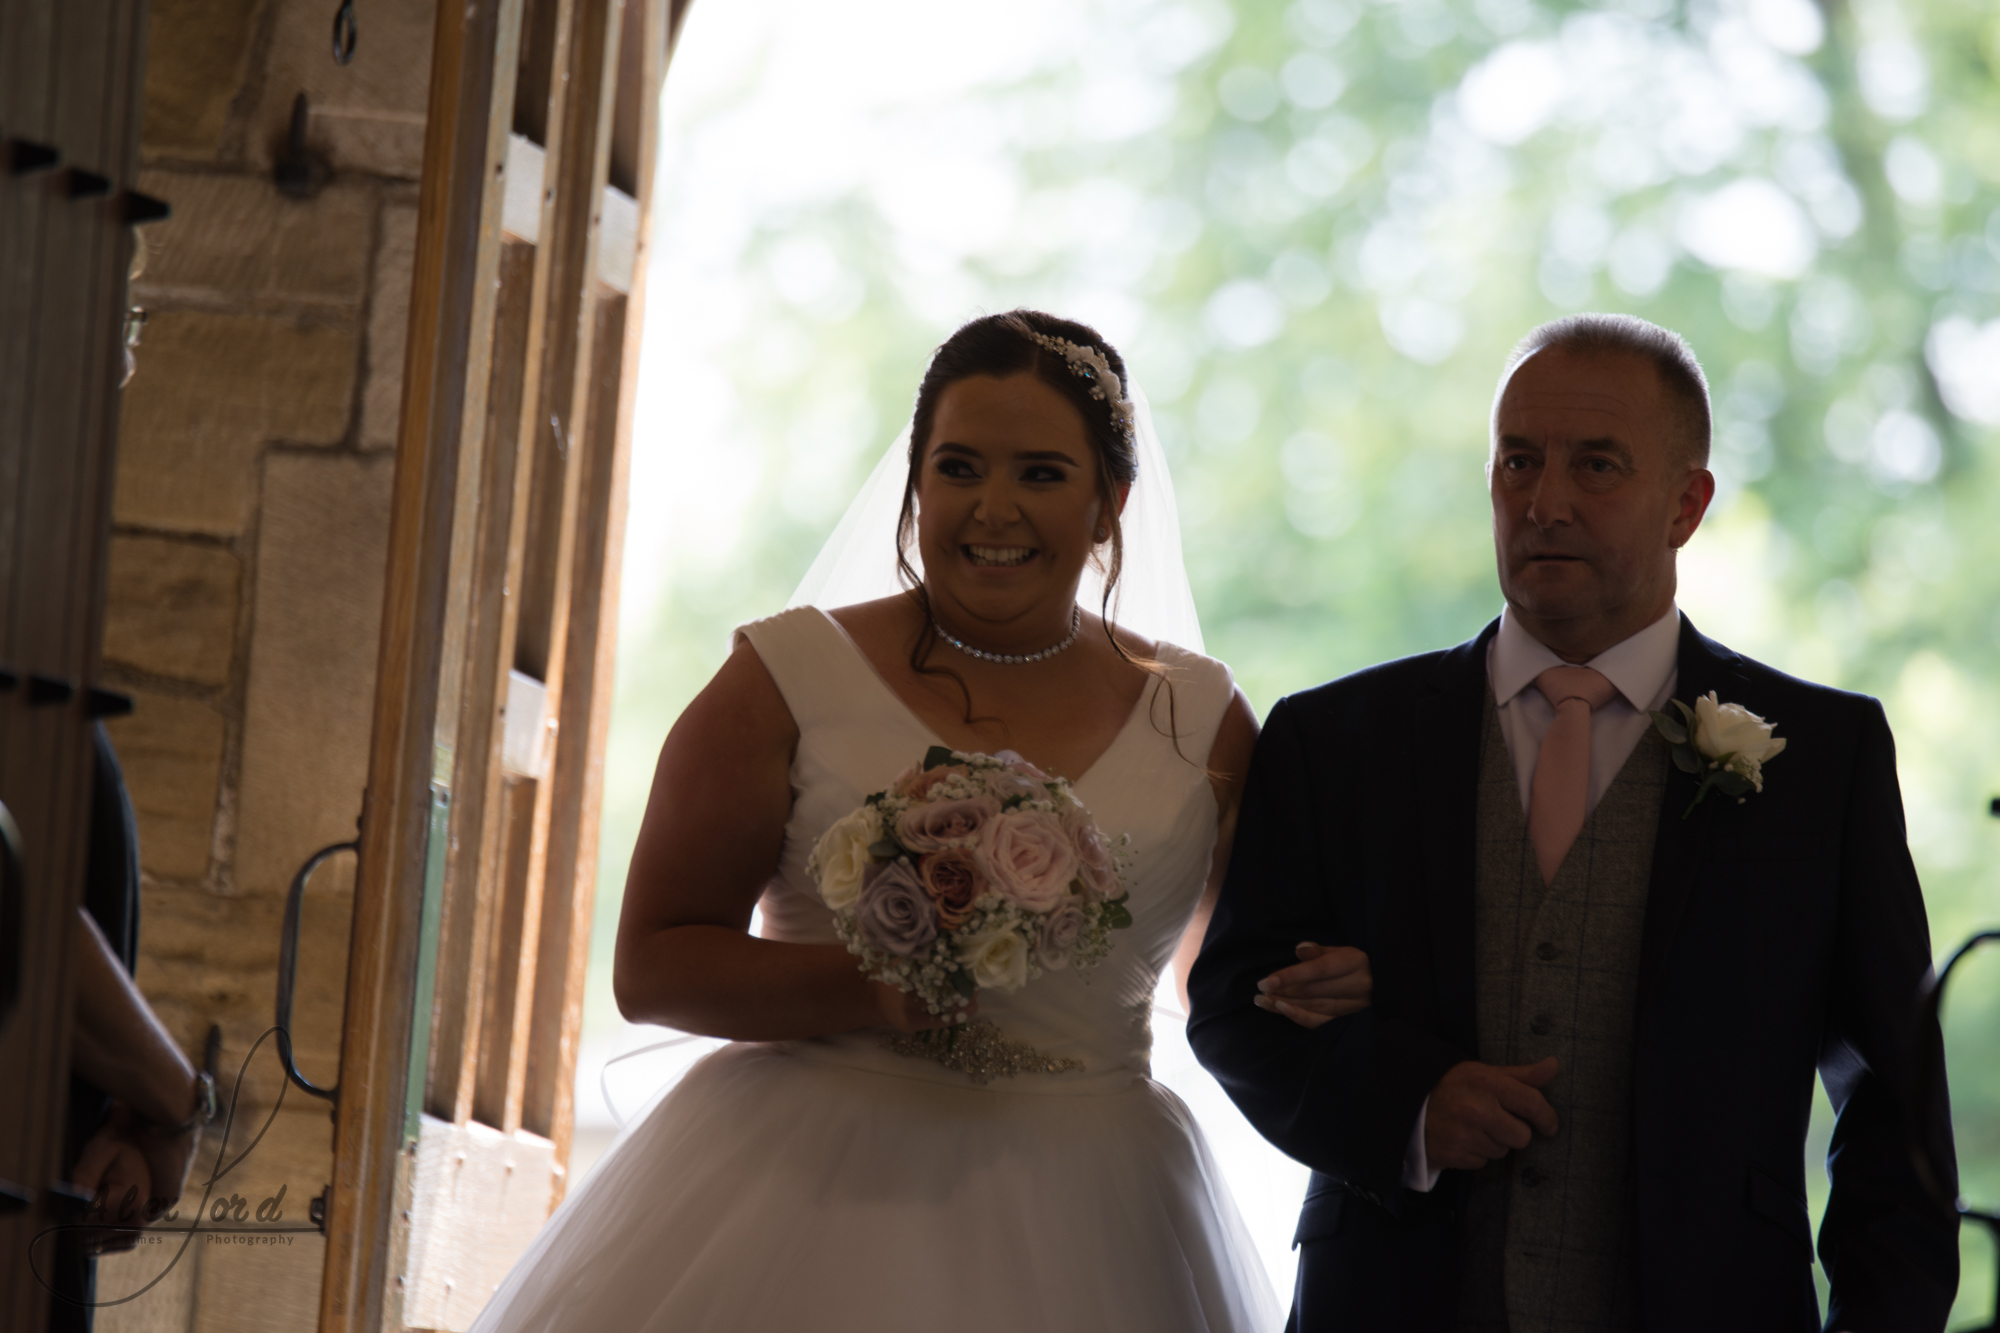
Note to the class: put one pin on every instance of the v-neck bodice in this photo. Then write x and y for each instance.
(856, 735)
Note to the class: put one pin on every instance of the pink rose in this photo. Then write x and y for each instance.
(916, 783)
(1028, 858)
(1093, 855)
(954, 881)
(1060, 929)
(941, 824)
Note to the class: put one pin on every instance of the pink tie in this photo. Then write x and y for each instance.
(1562, 772)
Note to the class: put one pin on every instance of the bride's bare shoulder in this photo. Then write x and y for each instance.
(869, 622)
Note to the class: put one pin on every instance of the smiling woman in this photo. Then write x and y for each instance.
(1074, 1193)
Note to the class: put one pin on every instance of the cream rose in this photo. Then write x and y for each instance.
(997, 958)
(842, 856)
(1028, 858)
(1735, 736)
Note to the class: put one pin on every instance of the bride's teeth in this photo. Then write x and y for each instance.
(1000, 555)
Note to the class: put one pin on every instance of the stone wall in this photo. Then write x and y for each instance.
(251, 520)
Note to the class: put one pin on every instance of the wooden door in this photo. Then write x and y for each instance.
(70, 76)
(478, 852)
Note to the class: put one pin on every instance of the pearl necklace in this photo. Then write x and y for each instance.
(1012, 659)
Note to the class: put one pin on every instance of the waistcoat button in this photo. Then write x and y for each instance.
(1541, 1025)
(1547, 952)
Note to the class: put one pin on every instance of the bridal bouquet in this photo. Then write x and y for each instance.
(970, 871)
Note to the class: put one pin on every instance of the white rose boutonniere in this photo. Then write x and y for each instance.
(1725, 745)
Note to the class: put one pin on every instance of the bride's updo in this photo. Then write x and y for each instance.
(1002, 345)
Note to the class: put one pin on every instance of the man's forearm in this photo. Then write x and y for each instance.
(119, 1045)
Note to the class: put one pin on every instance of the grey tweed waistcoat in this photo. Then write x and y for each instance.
(1547, 1239)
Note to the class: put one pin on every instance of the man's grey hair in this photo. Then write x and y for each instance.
(1680, 373)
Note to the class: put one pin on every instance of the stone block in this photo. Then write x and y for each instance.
(196, 63)
(235, 236)
(149, 1289)
(367, 116)
(210, 391)
(309, 708)
(170, 608)
(389, 327)
(171, 751)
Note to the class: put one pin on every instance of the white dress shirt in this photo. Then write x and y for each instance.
(1643, 668)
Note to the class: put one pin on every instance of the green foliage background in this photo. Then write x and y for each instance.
(1316, 268)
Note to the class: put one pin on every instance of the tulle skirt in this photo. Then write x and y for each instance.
(773, 1191)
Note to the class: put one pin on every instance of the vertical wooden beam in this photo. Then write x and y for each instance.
(471, 894)
(578, 158)
(438, 476)
(578, 769)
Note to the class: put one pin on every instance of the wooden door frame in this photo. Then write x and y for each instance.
(432, 637)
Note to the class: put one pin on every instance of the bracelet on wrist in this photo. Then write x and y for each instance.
(204, 1104)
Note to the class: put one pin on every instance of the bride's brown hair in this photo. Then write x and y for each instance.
(1003, 345)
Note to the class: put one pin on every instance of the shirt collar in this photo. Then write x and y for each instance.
(1637, 667)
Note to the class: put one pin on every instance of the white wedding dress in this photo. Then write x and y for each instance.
(831, 1184)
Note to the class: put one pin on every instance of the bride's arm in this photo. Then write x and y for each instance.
(714, 828)
(1228, 761)
(1326, 982)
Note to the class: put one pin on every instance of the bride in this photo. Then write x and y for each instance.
(808, 1175)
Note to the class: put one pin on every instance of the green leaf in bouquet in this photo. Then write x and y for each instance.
(962, 982)
(1686, 760)
(936, 757)
(1116, 914)
(1671, 728)
(884, 849)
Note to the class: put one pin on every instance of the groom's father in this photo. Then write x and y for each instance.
(1579, 1099)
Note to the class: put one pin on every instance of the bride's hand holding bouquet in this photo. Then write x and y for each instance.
(969, 872)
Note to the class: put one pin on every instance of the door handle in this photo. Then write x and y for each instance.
(288, 967)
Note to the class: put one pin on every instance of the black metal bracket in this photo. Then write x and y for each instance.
(83, 184)
(299, 172)
(140, 209)
(345, 33)
(100, 703)
(48, 691)
(25, 157)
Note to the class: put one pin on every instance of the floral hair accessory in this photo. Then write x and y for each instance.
(1093, 365)
(1727, 745)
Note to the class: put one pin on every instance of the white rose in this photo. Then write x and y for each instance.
(842, 856)
(997, 957)
(1725, 731)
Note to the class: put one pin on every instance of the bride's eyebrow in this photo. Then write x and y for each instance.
(1045, 456)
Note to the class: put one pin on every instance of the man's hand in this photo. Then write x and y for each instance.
(114, 1170)
(1325, 983)
(1479, 1113)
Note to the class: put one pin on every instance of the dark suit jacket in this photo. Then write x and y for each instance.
(1783, 934)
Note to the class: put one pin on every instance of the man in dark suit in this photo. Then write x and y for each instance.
(1602, 983)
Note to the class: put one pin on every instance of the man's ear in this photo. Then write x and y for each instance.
(1690, 505)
